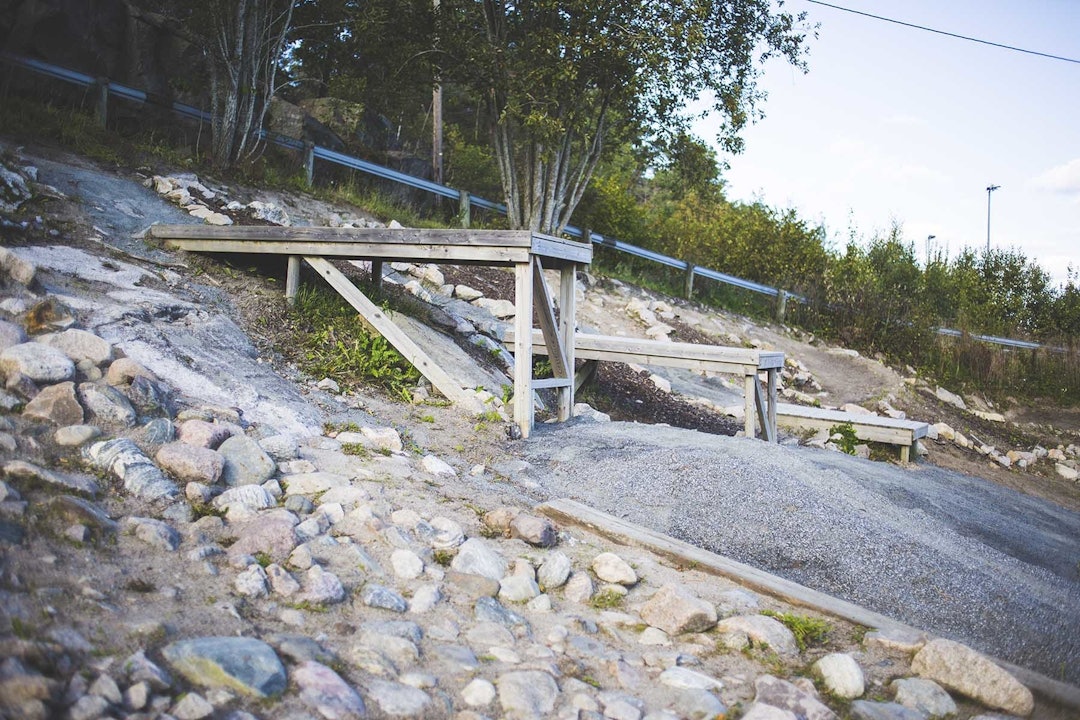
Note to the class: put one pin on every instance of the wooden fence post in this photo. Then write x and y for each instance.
(101, 100)
(309, 162)
(292, 279)
(464, 208)
(781, 305)
(688, 281)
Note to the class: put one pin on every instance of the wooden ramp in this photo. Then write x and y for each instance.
(868, 428)
(760, 406)
(527, 252)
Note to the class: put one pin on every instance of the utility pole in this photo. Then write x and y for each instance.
(989, 189)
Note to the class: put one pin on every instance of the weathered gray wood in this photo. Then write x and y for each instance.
(545, 312)
(688, 281)
(292, 279)
(569, 513)
(523, 389)
(584, 374)
(555, 249)
(567, 331)
(464, 208)
(376, 318)
(750, 396)
(421, 253)
(101, 100)
(376, 275)
(869, 428)
(594, 347)
(397, 236)
(541, 383)
(736, 361)
(309, 163)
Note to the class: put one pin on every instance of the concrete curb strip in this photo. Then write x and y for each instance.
(569, 512)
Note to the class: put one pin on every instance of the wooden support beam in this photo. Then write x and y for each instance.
(376, 275)
(772, 382)
(545, 310)
(567, 330)
(377, 319)
(292, 279)
(749, 404)
(560, 383)
(523, 392)
(585, 374)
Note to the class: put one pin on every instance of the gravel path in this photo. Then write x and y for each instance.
(957, 556)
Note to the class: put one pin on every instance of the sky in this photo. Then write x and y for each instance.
(897, 124)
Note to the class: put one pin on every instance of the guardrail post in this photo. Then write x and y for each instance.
(101, 101)
(586, 235)
(464, 208)
(292, 279)
(309, 162)
(688, 281)
(781, 305)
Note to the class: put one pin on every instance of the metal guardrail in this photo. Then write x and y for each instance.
(386, 173)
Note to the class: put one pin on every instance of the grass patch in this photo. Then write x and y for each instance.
(357, 449)
(847, 440)
(139, 586)
(807, 630)
(607, 599)
(336, 345)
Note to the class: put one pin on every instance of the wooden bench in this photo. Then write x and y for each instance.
(868, 428)
(760, 406)
(528, 253)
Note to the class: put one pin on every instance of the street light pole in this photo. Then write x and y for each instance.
(989, 190)
(928, 239)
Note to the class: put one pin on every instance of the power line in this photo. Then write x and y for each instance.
(943, 32)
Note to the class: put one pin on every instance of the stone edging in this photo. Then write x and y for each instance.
(569, 512)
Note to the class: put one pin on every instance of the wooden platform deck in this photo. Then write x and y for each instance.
(868, 428)
(527, 252)
(760, 406)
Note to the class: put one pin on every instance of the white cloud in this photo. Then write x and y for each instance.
(1060, 179)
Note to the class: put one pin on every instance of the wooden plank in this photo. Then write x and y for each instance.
(569, 513)
(668, 354)
(567, 331)
(392, 236)
(865, 430)
(916, 427)
(569, 251)
(545, 311)
(540, 384)
(523, 392)
(481, 254)
(374, 316)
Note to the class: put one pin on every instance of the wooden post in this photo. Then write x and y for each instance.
(688, 281)
(781, 305)
(464, 208)
(523, 350)
(749, 400)
(771, 417)
(292, 279)
(567, 313)
(101, 102)
(376, 275)
(309, 162)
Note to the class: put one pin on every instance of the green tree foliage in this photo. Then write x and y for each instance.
(559, 80)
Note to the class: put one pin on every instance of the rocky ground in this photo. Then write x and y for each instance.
(191, 528)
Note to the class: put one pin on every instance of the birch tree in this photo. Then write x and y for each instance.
(243, 42)
(560, 78)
